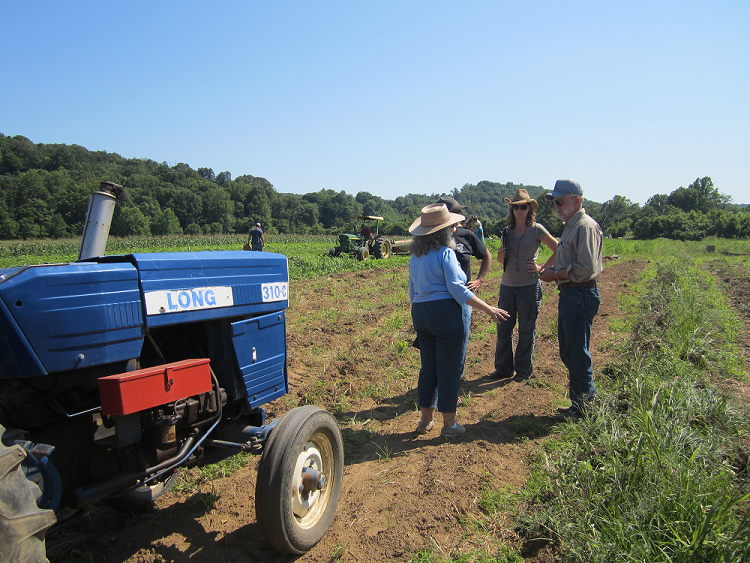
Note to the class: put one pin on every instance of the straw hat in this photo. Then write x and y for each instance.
(433, 218)
(522, 196)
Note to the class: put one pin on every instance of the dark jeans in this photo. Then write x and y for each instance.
(466, 315)
(522, 304)
(575, 313)
(440, 328)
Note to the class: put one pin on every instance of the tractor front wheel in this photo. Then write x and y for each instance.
(299, 479)
(363, 253)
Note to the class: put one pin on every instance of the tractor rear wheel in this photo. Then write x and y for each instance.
(363, 253)
(299, 479)
(381, 248)
(22, 523)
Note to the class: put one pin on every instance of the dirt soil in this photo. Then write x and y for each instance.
(402, 492)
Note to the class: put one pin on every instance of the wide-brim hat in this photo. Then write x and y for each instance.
(522, 196)
(452, 205)
(433, 218)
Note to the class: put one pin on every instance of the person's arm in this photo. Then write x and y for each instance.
(484, 268)
(551, 243)
(587, 263)
(550, 274)
(494, 312)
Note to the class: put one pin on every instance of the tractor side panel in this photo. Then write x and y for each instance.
(17, 359)
(72, 316)
(345, 243)
(192, 287)
(260, 349)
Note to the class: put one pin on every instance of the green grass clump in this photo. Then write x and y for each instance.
(656, 471)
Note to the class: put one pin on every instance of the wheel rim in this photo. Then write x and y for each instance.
(308, 507)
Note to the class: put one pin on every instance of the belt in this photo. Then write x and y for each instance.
(568, 285)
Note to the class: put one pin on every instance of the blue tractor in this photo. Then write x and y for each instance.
(118, 371)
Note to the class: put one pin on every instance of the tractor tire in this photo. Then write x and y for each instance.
(22, 523)
(363, 253)
(291, 519)
(381, 248)
(334, 252)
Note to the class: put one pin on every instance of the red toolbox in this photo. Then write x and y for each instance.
(134, 391)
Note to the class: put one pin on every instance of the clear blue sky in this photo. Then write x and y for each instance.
(393, 97)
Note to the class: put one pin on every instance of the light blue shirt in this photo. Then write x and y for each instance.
(437, 275)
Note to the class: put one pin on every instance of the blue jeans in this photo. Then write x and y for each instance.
(575, 313)
(441, 328)
(466, 315)
(522, 303)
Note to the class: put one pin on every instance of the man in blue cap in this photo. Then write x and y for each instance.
(578, 263)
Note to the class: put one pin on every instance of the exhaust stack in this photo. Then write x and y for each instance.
(99, 219)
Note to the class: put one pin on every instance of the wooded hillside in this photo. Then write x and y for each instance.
(44, 190)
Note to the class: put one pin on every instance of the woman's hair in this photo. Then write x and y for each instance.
(421, 245)
(530, 216)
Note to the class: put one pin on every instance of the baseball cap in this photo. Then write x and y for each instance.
(257, 224)
(565, 187)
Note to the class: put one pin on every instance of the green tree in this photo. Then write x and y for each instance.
(700, 196)
(617, 214)
(165, 223)
(217, 208)
(129, 221)
(57, 226)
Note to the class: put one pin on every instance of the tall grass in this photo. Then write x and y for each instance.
(656, 471)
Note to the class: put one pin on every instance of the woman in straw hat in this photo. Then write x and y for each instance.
(439, 299)
(520, 287)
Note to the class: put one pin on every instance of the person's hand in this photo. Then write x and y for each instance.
(548, 275)
(501, 254)
(533, 268)
(473, 285)
(498, 314)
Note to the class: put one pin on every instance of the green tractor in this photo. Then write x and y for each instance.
(365, 241)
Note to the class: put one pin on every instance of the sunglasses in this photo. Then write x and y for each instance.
(522, 207)
(558, 202)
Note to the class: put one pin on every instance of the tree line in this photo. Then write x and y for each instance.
(44, 189)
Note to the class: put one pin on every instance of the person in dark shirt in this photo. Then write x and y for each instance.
(256, 238)
(468, 244)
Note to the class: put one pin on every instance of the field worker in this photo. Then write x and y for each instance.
(439, 306)
(577, 265)
(256, 238)
(467, 245)
(480, 230)
(520, 288)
